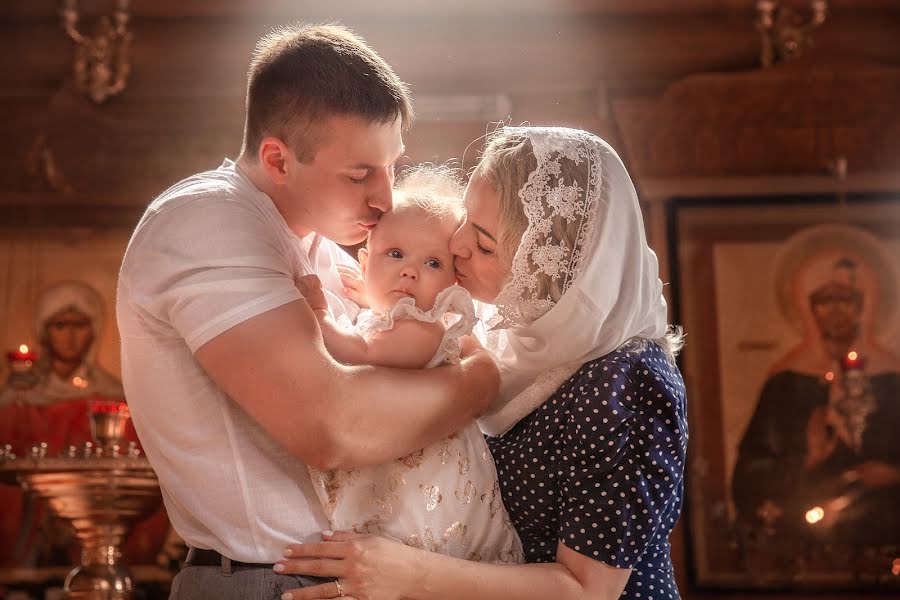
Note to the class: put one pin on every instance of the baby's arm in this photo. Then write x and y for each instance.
(410, 344)
(344, 345)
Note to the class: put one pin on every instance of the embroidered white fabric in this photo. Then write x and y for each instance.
(452, 303)
(444, 498)
(584, 241)
(551, 202)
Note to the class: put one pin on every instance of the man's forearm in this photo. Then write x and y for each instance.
(276, 367)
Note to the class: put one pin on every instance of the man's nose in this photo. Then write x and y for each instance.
(381, 193)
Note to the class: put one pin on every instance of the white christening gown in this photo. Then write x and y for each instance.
(444, 498)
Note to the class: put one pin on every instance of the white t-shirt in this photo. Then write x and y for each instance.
(211, 252)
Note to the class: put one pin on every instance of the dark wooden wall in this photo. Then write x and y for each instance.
(562, 62)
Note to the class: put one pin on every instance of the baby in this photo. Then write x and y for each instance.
(446, 497)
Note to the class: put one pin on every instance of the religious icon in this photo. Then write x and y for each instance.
(791, 307)
(69, 317)
(821, 437)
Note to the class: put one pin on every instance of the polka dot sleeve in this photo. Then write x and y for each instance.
(625, 443)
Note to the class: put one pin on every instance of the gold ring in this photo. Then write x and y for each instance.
(340, 589)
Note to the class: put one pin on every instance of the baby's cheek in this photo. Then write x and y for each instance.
(450, 278)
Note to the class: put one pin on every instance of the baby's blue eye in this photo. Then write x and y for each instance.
(395, 254)
(433, 263)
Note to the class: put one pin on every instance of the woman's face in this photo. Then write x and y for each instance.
(69, 335)
(474, 245)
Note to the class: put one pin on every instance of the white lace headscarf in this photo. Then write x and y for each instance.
(583, 279)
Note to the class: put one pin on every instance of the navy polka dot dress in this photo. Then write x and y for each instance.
(599, 468)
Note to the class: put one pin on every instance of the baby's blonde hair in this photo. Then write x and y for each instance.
(435, 189)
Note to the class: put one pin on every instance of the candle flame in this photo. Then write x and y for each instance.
(852, 355)
(829, 376)
(23, 348)
(814, 515)
(79, 382)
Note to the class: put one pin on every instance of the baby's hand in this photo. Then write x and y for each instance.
(311, 288)
(354, 287)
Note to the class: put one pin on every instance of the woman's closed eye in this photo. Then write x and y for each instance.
(482, 249)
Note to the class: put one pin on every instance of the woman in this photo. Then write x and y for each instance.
(589, 432)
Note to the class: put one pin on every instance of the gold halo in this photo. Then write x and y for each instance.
(826, 242)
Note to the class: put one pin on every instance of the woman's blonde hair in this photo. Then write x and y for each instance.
(507, 161)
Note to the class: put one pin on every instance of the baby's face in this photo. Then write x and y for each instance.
(408, 255)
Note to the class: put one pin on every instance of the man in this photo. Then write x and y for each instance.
(230, 387)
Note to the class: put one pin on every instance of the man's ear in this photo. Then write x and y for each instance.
(363, 256)
(273, 156)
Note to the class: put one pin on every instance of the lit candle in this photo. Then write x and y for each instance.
(21, 358)
(852, 361)
(109, 406)
(814, 515)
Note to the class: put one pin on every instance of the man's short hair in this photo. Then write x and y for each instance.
(302, 74)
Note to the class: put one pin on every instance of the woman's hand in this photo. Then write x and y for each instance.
(366, 567)
(469, 345)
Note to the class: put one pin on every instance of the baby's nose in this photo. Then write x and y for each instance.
(409, 272)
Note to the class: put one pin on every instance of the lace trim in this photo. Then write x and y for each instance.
(551, 205)
(453, 300)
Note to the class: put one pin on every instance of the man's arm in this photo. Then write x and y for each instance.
(335, 416)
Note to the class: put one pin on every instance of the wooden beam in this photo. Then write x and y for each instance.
(391, 9)
(658, 189)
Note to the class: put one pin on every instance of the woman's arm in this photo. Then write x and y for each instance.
(374, 568)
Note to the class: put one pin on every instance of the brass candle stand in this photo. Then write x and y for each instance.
(101, 489)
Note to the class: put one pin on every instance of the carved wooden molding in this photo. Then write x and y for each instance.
(793, 119)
